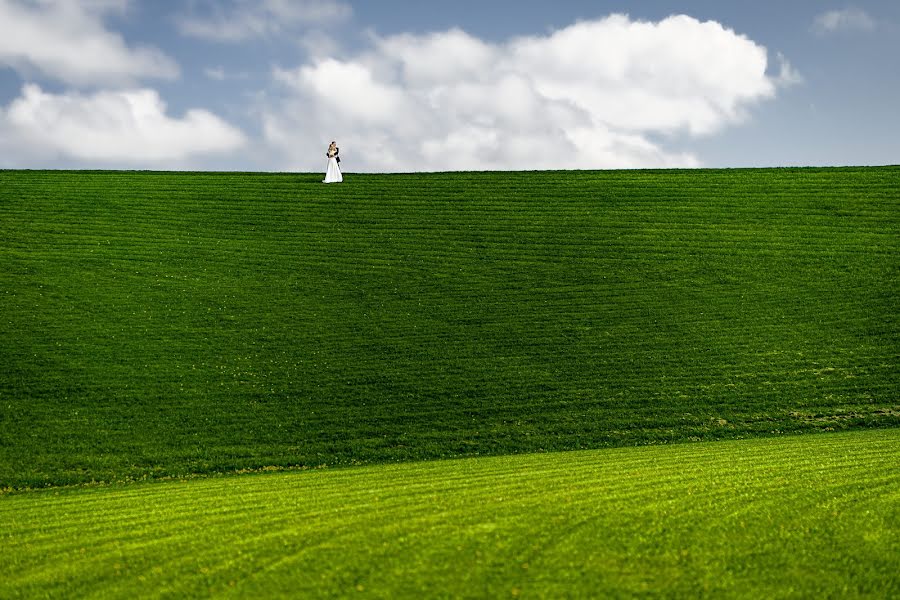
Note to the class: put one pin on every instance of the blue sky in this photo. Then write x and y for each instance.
(406, 85)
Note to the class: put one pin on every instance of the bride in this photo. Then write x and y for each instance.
(333, 171)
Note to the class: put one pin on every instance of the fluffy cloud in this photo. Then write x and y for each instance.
(68, 41)
(606, 93)
(848, 19)
(124, 128)
(245, 19)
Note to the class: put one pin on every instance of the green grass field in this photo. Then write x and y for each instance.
(166, 324)
(182, 326)
(814, 516)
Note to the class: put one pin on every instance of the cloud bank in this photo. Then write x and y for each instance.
(606, 93)
(67, 40)
(127, 127)
(118, 123)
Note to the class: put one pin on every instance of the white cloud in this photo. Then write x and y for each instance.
(68, 41)
(787, 74)
(847, 19)
(245, 19)
(128, 127)
(606, 93)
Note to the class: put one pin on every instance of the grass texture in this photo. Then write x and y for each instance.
(812, 516)
(163, 324)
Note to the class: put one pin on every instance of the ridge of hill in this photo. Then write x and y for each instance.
(160, 324)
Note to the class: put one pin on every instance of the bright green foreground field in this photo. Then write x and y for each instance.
(814, 516)
(157, 324)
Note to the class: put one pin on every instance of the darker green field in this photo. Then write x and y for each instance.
(161, 324)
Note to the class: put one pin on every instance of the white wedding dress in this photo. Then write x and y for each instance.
(333, 171)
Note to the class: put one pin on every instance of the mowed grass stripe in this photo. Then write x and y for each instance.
(815, 516)
(170, 323)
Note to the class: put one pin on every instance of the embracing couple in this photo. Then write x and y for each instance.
(333, 170)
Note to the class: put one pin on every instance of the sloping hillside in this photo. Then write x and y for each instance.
(156, 324)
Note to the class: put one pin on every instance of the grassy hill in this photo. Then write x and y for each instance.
(161, 324)
(811, 516)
